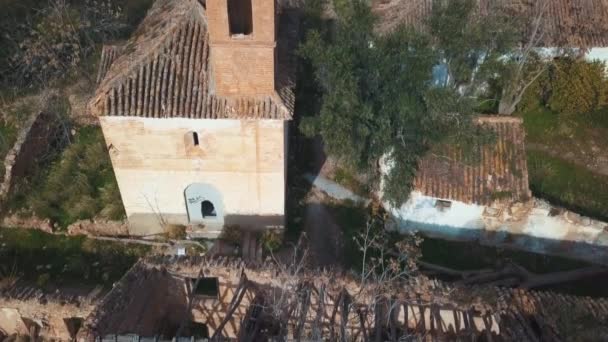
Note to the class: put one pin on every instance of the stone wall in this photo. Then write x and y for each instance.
(534, 226)
(26, 309)
(32, 142)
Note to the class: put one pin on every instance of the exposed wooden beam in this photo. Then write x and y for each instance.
(393, 312)
(234, 304)
(332, 321)
(304, 306)
(362, 318)
(346, 301)
(317, 329)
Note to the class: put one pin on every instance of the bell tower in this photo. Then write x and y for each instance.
(242, 41)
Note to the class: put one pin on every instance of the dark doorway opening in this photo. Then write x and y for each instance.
(206, 287)
(240, 17)
(208, 209)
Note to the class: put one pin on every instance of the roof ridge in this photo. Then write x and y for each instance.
(164, 71)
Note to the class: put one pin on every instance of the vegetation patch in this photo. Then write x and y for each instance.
(473, 256)
(175, 231)
(63, 260)
(78, 184)
(347, 178)
(566, 121)
(569, 185)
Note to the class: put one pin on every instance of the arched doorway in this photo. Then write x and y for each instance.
(204, 204)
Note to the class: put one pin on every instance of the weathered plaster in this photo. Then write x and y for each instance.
(592, 54)
(528, 226)
(598, 53)
(154, 163)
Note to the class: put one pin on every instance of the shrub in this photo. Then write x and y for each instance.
(232, 234)
(53, 42)
(577, 87)
(43, 280)
(175, 231)
(271, 240)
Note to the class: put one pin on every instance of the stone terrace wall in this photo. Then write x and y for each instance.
(54, 315)
(32, 142)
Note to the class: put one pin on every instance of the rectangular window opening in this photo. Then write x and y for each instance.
(442, 204)
(240, 17)
(206, 287)
(195, 138)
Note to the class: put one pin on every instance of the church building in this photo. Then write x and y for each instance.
(194, 108)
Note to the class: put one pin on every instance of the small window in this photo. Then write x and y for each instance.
(240, 17)
(208, 209)
(206, 287)
(442, 205)
(195, 138)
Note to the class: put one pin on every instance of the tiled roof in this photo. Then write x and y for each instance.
(500, 172)
(568, 23)
(557, 317)
(163, 70)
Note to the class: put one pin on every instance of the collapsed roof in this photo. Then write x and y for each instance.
(265, 301)
(163, 70)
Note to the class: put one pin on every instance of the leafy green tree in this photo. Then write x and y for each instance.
(470, 46)
(492, 55)
(378, 98)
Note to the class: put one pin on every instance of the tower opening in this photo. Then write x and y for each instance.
(195, 138)
(240, 17)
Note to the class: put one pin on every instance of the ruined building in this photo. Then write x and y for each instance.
(485, 196)
(194, 108)
(224, 299)
(215, 298)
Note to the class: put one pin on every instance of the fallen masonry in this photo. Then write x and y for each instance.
(222, 298)
(228, 299)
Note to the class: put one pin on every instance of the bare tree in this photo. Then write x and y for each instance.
(525, 66)
(384, 269)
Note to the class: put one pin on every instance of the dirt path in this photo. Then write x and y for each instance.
(325, 240)
(593, 163)
(324, 235)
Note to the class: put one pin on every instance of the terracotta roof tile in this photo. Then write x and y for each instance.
(163, 70)
(569, 23)
(501, 171)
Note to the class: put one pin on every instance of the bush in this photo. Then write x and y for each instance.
(271, 240)
(58, 38)
(43, 280)
(175, 231)
(232, 234)
(577, 87)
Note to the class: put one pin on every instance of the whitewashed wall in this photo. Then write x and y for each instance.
(155, 161)
(566, 234)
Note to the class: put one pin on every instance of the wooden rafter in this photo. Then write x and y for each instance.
(362, 318)
(234, 304)
(317, 329)
(304, 306)
(332, 320)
